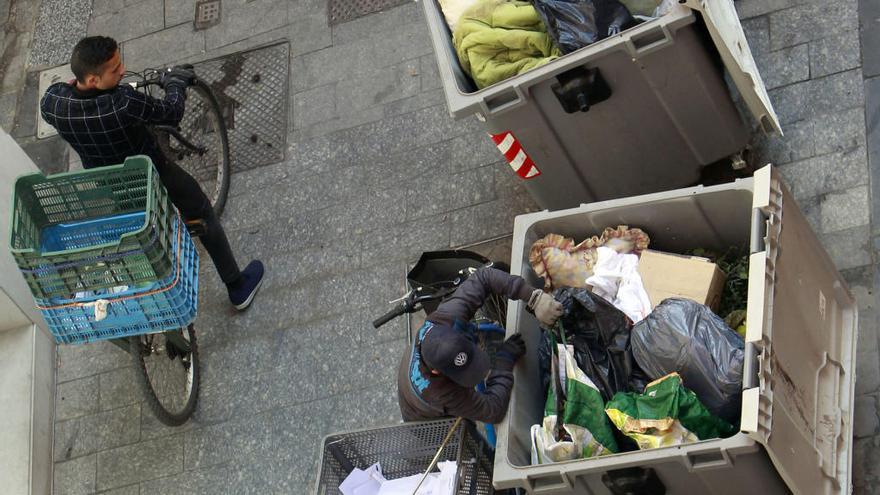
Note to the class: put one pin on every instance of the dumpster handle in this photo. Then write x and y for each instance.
(829, 396)
(759, 231)
(562, 486)
(697, 461)
(503, 102)
(649, 41)
(626, 481)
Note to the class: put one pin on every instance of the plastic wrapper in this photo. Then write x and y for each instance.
(666, 414)
(574, 24)
(600, 334)
(686, 337)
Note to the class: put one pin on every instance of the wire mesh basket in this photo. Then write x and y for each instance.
(406, 450)
(92, 229)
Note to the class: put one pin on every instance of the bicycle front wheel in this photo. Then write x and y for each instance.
(168, 373)
(494, 308)
(203, 125)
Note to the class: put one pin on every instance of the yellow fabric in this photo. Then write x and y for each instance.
(498, 39)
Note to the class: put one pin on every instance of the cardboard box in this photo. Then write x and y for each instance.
(671, 275)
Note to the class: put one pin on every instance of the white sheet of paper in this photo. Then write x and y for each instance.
(446, 481)
(363, 482)
(370, 487)
(442, 483)
(404, 486)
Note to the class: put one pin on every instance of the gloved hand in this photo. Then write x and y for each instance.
(546, 309)
(510, 351)
(180, 75)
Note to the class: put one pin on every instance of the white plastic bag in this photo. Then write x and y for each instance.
(616, 279)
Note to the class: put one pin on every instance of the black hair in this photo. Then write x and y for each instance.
(90, 54)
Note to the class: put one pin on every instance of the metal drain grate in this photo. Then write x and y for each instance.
(207, 14)
(347, 10)
(251, 88)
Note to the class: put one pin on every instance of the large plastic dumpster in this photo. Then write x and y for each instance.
(669, 111)
(796, 424)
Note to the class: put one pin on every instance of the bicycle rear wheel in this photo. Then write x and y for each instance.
(168, 375)
(203, 125)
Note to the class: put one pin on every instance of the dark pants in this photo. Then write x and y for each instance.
(188, 197)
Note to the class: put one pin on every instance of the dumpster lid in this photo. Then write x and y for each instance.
(802, 327)
(726, 31)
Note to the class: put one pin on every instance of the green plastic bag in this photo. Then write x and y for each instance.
(666, 414)
(585, 430)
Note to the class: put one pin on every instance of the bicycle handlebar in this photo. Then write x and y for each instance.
(151, 77)
(414, 299)
(394, 313)
(412, 302)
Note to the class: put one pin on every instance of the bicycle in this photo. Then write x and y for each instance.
(107, 257)
(200, 142)
(434, 278)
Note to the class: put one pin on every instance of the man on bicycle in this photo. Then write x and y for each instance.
(105, 122)
(438, 374)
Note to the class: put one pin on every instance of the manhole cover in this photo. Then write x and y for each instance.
(346, 10)
(251, 88)
(207, 13)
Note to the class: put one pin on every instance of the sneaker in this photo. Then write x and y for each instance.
(243, 290)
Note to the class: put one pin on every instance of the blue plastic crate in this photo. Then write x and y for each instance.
(168, 304)
(90, 232)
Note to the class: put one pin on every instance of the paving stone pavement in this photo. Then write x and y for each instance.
(376, 172)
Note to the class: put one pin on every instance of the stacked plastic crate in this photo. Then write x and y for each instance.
(104, 252)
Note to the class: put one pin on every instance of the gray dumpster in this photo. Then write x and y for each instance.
(799, 372)
(669, 111)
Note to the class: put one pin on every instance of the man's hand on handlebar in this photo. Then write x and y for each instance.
(179, 75)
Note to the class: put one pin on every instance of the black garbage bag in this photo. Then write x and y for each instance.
(574, 24)
(600, 334)
(545, 356)
(686, 337)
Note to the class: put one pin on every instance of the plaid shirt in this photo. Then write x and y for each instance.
(106, 126)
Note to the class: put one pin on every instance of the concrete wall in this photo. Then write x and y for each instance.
(13, 164)
(27, 358)
(26, 408)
